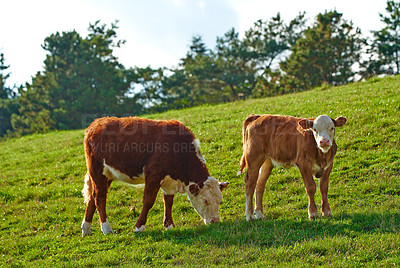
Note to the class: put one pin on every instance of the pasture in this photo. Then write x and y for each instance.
(41, 177)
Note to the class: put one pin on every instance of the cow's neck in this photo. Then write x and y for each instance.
(325, 159)
(197, 173)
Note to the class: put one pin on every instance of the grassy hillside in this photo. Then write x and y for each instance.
(41, 177)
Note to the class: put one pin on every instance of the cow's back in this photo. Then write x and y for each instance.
(133, 145)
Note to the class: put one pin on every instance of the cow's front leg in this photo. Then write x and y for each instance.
(149, 197)
(168, 202)
(311, 188)
(323, 186)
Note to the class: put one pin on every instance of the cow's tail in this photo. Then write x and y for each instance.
(87, 189)
(246, 122)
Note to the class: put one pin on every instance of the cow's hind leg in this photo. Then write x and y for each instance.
(87, 192)
(168, 202)
(100, 189)
(264, 173)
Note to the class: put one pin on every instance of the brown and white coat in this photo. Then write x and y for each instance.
(160, 154)
(275, 140)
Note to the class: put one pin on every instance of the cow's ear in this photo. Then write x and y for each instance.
(223, 185)
(305, 123)
(340, 121)
(194, 189)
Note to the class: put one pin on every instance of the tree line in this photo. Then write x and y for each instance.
(82, 79)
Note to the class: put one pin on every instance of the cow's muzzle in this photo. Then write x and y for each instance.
(212, 220)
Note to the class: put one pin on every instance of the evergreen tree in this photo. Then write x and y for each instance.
(236, 71)
(195, 80)
(82, 80)
(8, 104)
(325, 54)
(35, 110)
(384, 50)
(268, 43)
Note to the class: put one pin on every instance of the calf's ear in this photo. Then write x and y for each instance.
(223, 185)
(194, 189)
(305, 123)
(340, 121)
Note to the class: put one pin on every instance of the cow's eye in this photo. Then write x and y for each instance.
(332, 129)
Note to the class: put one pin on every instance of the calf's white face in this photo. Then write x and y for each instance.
(323, 129)
(206, 200)
(324, 132)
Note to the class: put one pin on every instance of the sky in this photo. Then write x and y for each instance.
(158, 33)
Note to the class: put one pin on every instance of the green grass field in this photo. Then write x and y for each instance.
(41, 177)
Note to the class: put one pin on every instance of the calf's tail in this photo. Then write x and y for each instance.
(246, 122)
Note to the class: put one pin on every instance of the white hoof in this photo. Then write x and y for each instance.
(328, 214)
(258, 215)
(106, 227)
(249, 217)
(86, 228)
(313, 216)
(169, 227)
(140, 229)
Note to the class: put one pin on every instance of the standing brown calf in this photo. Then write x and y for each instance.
(274, 140)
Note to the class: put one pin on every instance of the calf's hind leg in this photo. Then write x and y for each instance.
(264, 173)
(250, 180)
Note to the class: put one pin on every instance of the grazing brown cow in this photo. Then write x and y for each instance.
(160, 154)
(275, 140)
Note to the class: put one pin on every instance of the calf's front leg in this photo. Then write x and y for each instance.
(311, 188)
(323, 186)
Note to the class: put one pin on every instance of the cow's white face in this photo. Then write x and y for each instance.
(206, 200)
(323, 129)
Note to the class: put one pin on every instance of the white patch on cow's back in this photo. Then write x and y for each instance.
(169, 186)
(114, 174)
(196, 144)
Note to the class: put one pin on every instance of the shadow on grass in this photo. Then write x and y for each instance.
(270, 232)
